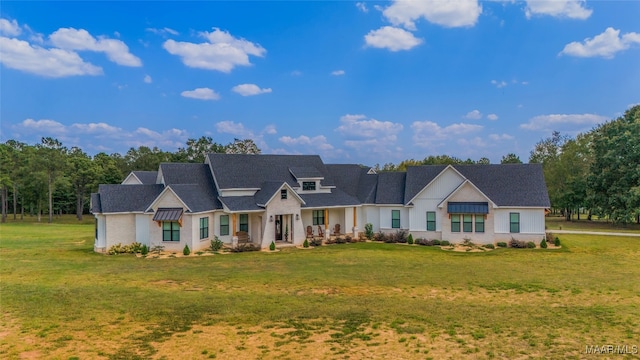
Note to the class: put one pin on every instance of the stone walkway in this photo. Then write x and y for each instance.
(593, 233)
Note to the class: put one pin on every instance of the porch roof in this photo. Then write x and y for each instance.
(168, 214)
(240, 203)
(468, 208)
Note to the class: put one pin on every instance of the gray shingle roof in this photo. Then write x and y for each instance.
(266, 192)
(354, 180)
(196, 197)
(240, 203)
(337, 197)
(509, 184)
(127, 198)
(202, 195)
(305, 172)
(146, 177)
(96, 207)
(250, 171)
(390, 188)
(418, 177)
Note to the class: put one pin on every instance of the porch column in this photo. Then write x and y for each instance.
(234, 234)
(355, 223)
(326, 224)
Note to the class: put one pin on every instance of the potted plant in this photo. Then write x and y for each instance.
(286, 233)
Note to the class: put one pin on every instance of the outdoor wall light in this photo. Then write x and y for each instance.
(297, 216)
(270, 218)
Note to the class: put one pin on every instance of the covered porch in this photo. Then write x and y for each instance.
(328, 222)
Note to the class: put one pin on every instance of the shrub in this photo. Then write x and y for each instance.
(272, 247)
(316, 242)
(186, 251)
(349, 239)
(341, 240)
(543, 243)
(216, 244)
(144, 250)
(531, 245)
(380, 236)
(400, 236)
(502, 244)
(306, 243)
(517, 244)
(125, 249)
(246, 247)
(488, 246)
(136, 247)
(436, 242)
(410, 239)
(549, 236)
(444, 243)
(556, 241)
(368, 231)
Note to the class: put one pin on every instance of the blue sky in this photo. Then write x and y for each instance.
(356, 82)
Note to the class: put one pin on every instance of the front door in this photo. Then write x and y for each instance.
(279, 227)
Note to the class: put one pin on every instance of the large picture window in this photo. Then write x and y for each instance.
(514, 222)
(224, 225)
(479, 223)
(309, 185)
(455, 222)
(244, 222)
(204, 228)
(467, 223)
(318, 217)
(395, 219)
(170, 231)
(431, 221)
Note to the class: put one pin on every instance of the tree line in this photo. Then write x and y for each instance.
(52, 179)
(598, 170)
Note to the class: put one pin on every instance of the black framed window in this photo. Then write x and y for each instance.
(204, 228)
(224, 225)
(309, 185)
(244, 222)
(455, 222)
(431, 221)
(395, 219)
(479, 223)
(283, 194)
(467, 223)
(318, 217)
(514, 222)
(170, 231)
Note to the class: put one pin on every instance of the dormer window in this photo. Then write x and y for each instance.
(309, 185)
(283, 194)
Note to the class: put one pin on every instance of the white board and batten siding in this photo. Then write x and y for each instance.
(371, 215)
(429, 198)
(142, 228)
(531, 220)
(385, 217)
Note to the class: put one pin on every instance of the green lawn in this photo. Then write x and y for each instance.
(357, 301)
(559, 223)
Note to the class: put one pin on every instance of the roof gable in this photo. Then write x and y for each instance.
(270, 189)
(160, 200)
(419, 178)
(126, 198)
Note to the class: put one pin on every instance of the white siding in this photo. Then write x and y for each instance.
(385, 217)
(101, 240)
(239, 192)
(531, 220)
(142, 228)
(371, 216)
(120, 229)
(429, 198)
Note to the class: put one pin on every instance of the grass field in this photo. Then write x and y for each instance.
(355, 301)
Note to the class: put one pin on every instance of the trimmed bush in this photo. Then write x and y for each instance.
(410, 239)
(272, 247)
(549, 236)
(380, 236)
(246, 247)
(517, 244)
(216, 244)
(543, 243)
(368, 231)
(125, 249)
(186, 251)
(316, 242)
(341, 240)
(306, 243)
(436, 242)
(349, 239)
(444, 243)
(144, 250)
(531, 245)
(488, 246)
(502, 244)
(400, 236)
(556, 241)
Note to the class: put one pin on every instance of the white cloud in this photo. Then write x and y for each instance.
(492, 117)
(164, 31)
(473, 115)
(250, 90)
(337, 72)
(476, 142)
(96, 128)
(459, 13)
(233, 128)
(573, 9)
(79, 40)
(201, 94)
(604, 45)
(222, 52)
(362, 7)
(318, 142)
(9, 28)
(428, 133)
(148, 79)
(296, 73)
(499, 84)
(392, 38)
(270, 130)
(498, 137)
(563, 122)
(53, 63)
(360, 126)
